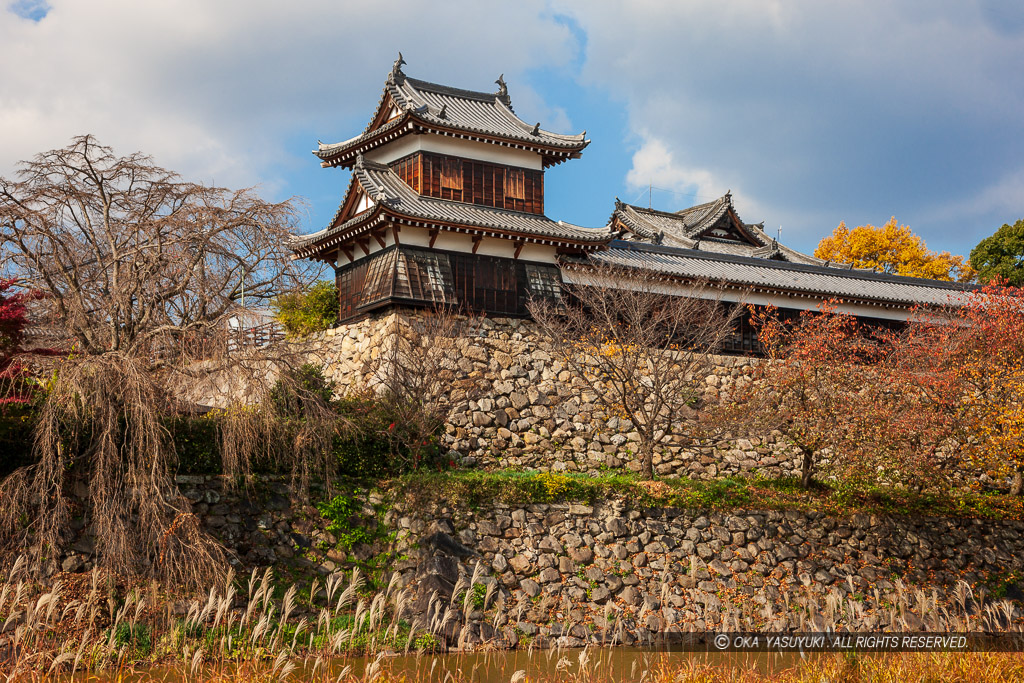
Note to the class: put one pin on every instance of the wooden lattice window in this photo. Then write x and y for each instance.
(543, 281)
(424, 276)
(347, 292)
(476, 182)
(379, 276)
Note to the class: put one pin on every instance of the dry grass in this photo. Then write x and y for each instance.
(581, 667)
(256, 628)
(49, 633)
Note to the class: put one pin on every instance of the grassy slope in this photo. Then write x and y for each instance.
(475, 489)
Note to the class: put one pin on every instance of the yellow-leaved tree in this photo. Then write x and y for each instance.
(893, 249)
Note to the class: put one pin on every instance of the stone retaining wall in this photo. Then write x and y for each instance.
(524, 413)
(612, 570)
(563, 567)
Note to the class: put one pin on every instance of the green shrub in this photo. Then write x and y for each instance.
(379, 447)
(367, 451)
(136, 637)
(345, 516)
(196, 443)
(302, 313)
(373, 446)
(16, 424)
(309, 379)
(479, 595)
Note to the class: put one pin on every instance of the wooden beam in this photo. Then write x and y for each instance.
(347, 251)
(433, 236)
(394, 232)
(476, 242)
(364, 244)
(742, 229)
(519, 248)
(380, 239)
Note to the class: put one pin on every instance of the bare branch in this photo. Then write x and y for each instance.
(142, 272)
(641, 352)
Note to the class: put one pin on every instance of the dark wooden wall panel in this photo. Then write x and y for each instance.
(482, 183)
(477, 284)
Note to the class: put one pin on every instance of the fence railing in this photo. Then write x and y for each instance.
(255, 335)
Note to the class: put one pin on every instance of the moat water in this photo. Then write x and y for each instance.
(609, 664)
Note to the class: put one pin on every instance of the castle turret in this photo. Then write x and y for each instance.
(446, 204)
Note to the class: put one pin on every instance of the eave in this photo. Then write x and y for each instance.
(410, 124)
(743, 287)
(381, 215)
(848, 286)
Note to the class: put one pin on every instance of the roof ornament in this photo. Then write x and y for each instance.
(660, 237)
(696, 242)
(380, 196)
(359, 159)
(444, 112)
(396, 69)
(502, 87)
(619, 205)
(828, 263)
(536, 129)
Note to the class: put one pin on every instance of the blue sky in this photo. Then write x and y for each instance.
(811, 112)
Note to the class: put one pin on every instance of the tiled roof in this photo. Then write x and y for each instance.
(396, 199)
(445, 109)
(728, 247)
(685, 229)
(818, 281)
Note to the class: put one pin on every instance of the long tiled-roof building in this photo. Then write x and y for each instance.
(446, 204)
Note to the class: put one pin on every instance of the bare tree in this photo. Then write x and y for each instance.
(133, 258)
(643, 353)
(416, 375)
(142, 271)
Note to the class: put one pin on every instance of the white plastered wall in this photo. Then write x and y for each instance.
(440, 144)
(453, 241)
(493, 246)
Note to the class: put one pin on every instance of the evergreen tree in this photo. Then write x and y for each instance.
(1000, 258)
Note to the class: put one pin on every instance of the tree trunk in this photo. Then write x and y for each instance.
(1018, 483)
(647, 460)
(807, 469)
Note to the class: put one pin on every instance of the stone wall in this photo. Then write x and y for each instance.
(523, 413)
(563, 568)
(612, 570)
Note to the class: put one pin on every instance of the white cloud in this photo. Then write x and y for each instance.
(821, 111)
(1004, 197)
(653, 164)
(215, 90)
(811, 112)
